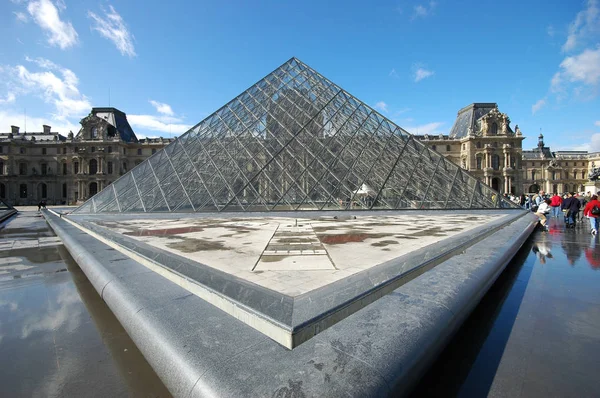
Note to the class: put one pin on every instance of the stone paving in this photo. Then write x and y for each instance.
(295, 256)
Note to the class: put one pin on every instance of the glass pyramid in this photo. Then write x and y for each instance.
(294, 141)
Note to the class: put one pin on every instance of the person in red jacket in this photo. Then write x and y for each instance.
(555, 203)
(588, 211)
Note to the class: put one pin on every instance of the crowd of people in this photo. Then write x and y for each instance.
(571, 206)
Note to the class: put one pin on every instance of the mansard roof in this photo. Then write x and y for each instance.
(468, 120)
(115, 119)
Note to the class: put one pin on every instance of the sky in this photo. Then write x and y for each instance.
(168, 65)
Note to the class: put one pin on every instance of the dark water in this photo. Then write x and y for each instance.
(537, 332)
(57, 337)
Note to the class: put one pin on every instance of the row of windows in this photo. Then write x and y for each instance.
(566, 164)
(495, 162)
(42, 191)
(556, 175)
(109, 149)
(93, 168)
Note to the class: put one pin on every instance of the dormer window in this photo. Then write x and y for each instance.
(494, 128)
(93, 149)
(94, 132)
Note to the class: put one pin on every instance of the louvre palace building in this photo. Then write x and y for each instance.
(71, 168)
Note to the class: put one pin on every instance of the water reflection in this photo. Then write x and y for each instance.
(542, 250)
(57, 336)
(592, 253)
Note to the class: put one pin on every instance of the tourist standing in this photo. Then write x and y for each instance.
(539, 198)
(572, 206)
(556, 203)
(593, 214)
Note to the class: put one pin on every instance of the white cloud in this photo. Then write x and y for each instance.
(393, 73)
(54, 84)
(422, 73)
(381, 106)
(21, 16)
(9, 99)
(592, 146)
(421, 11)
(538, 105)
(113, 28)
(429, 128)
(585, 26)
(583, 68)
(46, 15)
(163, 108)
(14, 117)
(597, 123)
(160, 124)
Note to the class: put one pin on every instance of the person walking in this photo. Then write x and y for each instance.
(556, 203)
(592, 212)
(571, 207)
(542, 212)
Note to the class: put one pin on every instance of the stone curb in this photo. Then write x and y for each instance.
(382, 349)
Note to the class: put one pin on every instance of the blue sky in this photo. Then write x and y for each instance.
(169, 65)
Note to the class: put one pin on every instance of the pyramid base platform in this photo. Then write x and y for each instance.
(380, 349)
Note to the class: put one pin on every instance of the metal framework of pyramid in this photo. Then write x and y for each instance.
(294, 141)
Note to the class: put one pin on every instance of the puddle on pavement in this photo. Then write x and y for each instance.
(192, 245)
(61, 338)
(339, 239)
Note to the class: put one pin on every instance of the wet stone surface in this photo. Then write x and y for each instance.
(316, 251)
(57, 336)
(537, 331)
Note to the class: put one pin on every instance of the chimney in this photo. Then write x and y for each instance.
(46, 129)
(14, 129)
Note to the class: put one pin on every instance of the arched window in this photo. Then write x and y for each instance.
(23, 191)
(495, 162)
(554, 177)
(75, 167)
(533, 175)
(94, 132)
(566, 188)
(566, 176)
(22, 169)
(93, 149)
(494, 128)
(478, 144)
(478, 162)
(582, 174)
(93, 167)
(448, 148)
(93, 189)
(64, 190)
(2, 191)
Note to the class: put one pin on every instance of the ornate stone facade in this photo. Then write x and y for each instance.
(559, 171)
(68, 170)
(482, 142)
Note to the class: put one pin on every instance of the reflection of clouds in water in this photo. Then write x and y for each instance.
(12, 306)
(65, 310)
